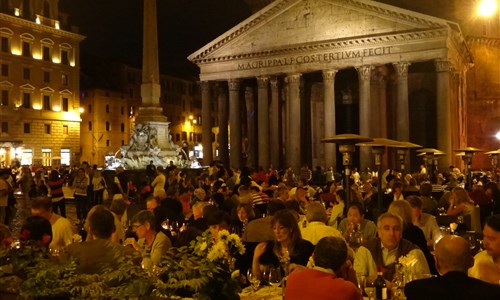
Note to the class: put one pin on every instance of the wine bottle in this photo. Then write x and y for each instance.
(380, 287)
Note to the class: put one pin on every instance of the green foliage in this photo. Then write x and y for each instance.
(196, 270)
(29, 270)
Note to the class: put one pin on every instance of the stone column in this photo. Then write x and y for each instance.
(402, 113)
(223, 125)
(235, 122)
(251, 130)
(206, 123)
(364, 73)
(329, 116)
(274, 123)
(444, 138)
(263, 118)
(382, 96)
(294, 122)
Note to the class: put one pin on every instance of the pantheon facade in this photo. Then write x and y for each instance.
(301, 70)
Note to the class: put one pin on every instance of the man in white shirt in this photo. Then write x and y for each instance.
(385, 250)
(62, 230)
(487, 263)
(316, 224)
(424, 221)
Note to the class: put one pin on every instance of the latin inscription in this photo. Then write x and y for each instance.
(315, 58)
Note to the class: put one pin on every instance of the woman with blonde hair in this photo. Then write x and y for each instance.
(460, 203)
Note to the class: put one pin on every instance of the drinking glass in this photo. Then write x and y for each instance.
(254, 280)
(471, 238)
(370, 289)
(361, 279)
(274, 277)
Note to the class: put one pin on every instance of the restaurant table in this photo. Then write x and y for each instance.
(263, 293)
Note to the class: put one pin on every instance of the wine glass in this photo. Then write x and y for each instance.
(471, 238)
(274, 277)
(370, 289)
(253, 279)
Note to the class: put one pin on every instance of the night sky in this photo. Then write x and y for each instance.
(113, 28)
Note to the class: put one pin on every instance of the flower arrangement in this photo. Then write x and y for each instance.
(205, 268)
(407, 263)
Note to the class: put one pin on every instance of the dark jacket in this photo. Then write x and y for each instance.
(453, 285)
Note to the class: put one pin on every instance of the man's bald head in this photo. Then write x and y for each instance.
(453, 254)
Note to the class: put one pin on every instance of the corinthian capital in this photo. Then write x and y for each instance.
(234, 84)
(263, 82)
(205, 86)
(329, 75)
(293, 78)
(401, 68)
(364, 72)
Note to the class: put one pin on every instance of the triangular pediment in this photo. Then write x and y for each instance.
(6, 84)
(285, 24)
(27, 86)
(47, 90)
(65, 92)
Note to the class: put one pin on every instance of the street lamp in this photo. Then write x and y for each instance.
(347, 143)
(402, 151)
(494, 162)
(467, 157)
(378, 149)
(430, 157)
(487, 8)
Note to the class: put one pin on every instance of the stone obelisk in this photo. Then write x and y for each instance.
(150, 109)
(151, 139)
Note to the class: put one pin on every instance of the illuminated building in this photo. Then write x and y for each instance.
(104, 129)
(39, 83)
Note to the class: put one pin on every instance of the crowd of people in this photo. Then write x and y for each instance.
(300, 222)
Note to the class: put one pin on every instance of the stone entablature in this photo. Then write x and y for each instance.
(306, 36)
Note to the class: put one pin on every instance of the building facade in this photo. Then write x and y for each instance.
(302, 70)
(119, 101)
(39, 83)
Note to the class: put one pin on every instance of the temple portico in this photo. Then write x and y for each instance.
(300, 60)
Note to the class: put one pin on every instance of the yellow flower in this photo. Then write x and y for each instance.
(235, 274)
(203, 246)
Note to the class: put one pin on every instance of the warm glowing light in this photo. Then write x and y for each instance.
(2, 151)
(190, 117)
(56, 108)
(56, 60)
(72, 63)
(487, 8)
(17, 12)
(81, 110)
(498, 135)
(56, 25)
(37, 106)
(15, 51)
(187, 126)
(37, 56)
(194, 122)
(37, 20)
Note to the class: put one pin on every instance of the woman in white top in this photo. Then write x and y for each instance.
(158, 184)
(99, 185)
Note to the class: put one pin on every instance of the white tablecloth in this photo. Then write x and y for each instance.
(263, 293)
